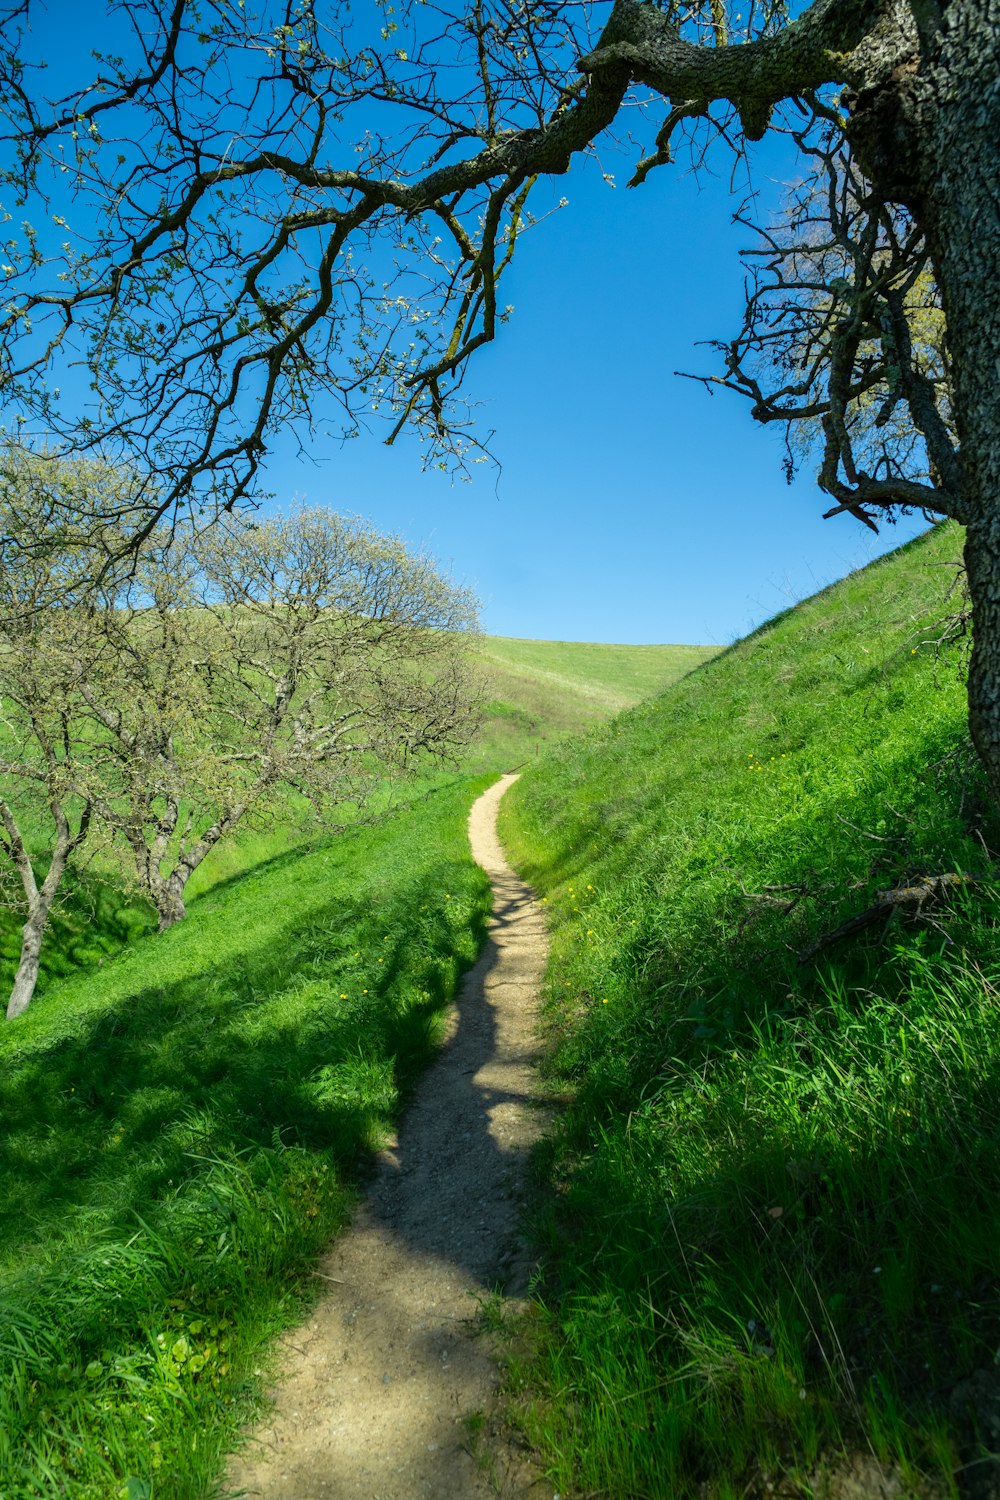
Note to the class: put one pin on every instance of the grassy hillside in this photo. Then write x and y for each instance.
(539, 691)
(183, 1120)
(181, 1133)
(536, 691)
(773, 1219)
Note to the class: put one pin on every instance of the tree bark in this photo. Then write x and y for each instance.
(928, 138)
(169, 898)
(167, 891)
(982, 562)
(958, 120)
(39, 898)
(27, 973)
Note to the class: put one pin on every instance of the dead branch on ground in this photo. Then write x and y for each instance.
(917, 894)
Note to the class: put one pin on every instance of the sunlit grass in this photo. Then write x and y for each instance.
(536, 692)
(541, 691)
(184, 1114)
(181, 1134)
(772, 1235)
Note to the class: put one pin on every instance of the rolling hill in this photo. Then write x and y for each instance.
(773, 1200)
(541, 691)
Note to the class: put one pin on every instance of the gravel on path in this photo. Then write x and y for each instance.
(376, 1389)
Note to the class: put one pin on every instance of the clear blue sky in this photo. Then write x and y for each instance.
(632, 506)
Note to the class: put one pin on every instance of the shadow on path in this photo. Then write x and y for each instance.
(377, 1388)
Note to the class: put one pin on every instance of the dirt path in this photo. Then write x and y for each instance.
(376, 1388)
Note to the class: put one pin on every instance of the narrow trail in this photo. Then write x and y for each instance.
(376, 1387)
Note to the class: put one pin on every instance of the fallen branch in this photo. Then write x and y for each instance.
(773, 896)
(927, 888)
(880, 838)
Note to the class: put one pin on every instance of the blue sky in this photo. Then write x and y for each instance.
(632, 506)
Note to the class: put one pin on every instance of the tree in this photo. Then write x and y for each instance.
(162, 705)
(841, 302)
(307, 653)
(344, 223)
(49, 764)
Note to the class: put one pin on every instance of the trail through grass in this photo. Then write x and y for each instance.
(540, 691)
(185, 1115)
(775, 1209)
(181, 1135)
(536, 691)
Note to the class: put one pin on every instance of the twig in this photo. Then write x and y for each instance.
(928, 887)
(892, 838)
(768, 898)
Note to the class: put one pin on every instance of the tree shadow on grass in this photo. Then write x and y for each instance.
(853, 1259)
(449, 1189)
(181, 1138)
(99, 1117)
(769, 1163)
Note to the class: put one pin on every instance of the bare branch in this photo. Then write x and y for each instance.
(340, 238)
(843, 342)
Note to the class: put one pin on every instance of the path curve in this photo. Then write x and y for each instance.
(375, 1390)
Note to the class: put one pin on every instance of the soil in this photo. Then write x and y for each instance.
(381, 1391)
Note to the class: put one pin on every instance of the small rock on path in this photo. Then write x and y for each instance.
(375, 1389)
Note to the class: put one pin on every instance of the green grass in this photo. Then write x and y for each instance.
(185, 1116)
(540, 691)
(536, 691)
(772, 1222)
(94, 919)
(182, 1132)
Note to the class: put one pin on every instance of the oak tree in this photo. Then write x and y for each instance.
(262, 209)
(306, 654)
(202, 681)
(50, 764)
(841, 301)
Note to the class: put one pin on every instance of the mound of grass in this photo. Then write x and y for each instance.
(775, 1210)
(181, 1134)
(544, 690)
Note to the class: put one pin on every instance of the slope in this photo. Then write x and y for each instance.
(775, 1205)
(534, 691)
(182, 1131)
(538, 691)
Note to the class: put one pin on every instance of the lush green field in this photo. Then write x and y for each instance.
(540, 691)
(184, 1119)
(772, 1219)
(535, 691)
(181, 1135)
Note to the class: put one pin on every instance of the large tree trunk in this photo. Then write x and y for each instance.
(960, 130)
(169, 898)
(27, 973)
(982, 561)
(930, 140)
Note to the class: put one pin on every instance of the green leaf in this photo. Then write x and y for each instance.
(135, 1489)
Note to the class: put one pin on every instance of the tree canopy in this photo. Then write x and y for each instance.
(249, 209)
(250, 206)
(211, 679)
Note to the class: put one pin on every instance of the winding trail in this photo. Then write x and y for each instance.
(375, 1390)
